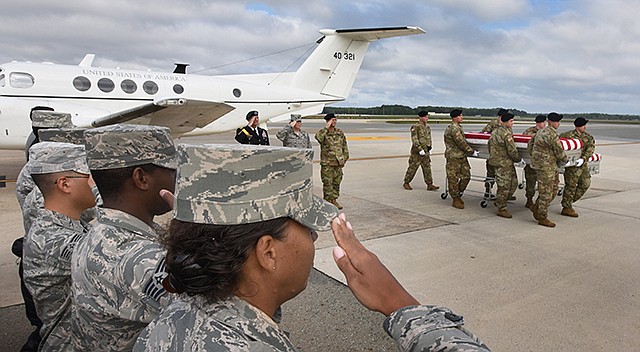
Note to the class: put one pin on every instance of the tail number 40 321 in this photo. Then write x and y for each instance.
(344, 56)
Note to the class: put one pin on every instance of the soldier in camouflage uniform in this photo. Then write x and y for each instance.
(334, 154)
(420, 151)
(61, 174)
(244, 209)
(546, 155)
(502, 154)
(577, 179)
(456, 152)
(529, 172)
(292, 135)
(41, 118)
(491, 172)
(117, 269)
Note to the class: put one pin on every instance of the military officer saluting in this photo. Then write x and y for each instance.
(252, 133)
(420, 150)
(577, 179)
(502, 154)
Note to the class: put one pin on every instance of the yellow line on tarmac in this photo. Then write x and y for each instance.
(372, 138)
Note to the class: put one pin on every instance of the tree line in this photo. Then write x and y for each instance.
(402, 110)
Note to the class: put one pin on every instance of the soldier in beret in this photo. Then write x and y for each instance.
(334, 154)
(420, 153)
(61, 174)
(456, 152)
(252, 133)
(577, 179)
(529, 172)
(241, 244)
(118, 267)
(546, 155)
(491, 172)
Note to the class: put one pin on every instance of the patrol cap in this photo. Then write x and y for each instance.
(50, 119)
(580, 121)
(63, 135)
(119, 146)
(329, 116)
(50, 157)
(423, 113)
(541, 118)
(554, 116)
(506, 117)
(239, 184)
(455, 113)
(502, 112)
(251, 114)
(296, 117)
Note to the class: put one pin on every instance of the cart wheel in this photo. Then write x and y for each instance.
(483, 204)
(443, 196)
(520, 185)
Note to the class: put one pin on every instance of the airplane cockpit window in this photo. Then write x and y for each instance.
(21, 80)
(150, 87)
(82, 83)
(106, 85)
(128, 86)
(178, 89)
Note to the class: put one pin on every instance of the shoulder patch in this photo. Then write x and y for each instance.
(154, 288)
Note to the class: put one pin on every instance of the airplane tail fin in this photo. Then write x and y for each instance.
(332, 67)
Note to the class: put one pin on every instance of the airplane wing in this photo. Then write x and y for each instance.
(179, 114)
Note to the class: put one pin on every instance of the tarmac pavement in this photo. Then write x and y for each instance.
(520, 286)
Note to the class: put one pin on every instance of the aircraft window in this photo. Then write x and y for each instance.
(106, 85)
(82, 83)
(237, 92)
(178, 89)
(21, 80)
(2, 80)
(128, 86)
(150, 87)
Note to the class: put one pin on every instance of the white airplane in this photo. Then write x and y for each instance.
(188, 104)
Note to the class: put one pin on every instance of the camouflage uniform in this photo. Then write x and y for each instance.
(489, 128)
(47, 274)
(578, 179)
(529, 172)
(420, 140)
(293, 139)
(456, 152)
(117, 271)
(334, 153)
(502, 154)
(546, 154)
(118, 267)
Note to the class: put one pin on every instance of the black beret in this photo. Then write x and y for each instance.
(541, 118)
(251, 114)
(554, 116)
(580, 121)
(329, 116)
(506, 117)
(423, 113)
(502, 111)
(455, 113)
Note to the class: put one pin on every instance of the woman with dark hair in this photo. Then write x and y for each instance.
(241, 244)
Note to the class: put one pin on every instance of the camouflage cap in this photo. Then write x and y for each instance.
(239, 184)
(50, 157)
(62, 135)
(119, 146)
(50, 119)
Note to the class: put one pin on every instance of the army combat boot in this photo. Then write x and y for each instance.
(569, 212)
(546, 222)
(432, 187)
(457, 203)
(335, 202)
(504, 213)
(529, 204)
(407, 186)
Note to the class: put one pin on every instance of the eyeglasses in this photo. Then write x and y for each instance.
(74, 176)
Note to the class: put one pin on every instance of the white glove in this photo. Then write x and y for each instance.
(579, 162)
(422, 153)
(521, 163)
(429, 152)
(475, 154)
(568, 164)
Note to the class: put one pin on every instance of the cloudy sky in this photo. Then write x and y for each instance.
(535, 55)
